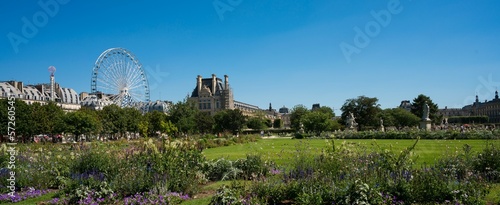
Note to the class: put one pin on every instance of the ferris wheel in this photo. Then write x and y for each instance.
(119, 74)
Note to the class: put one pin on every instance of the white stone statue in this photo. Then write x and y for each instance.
(382, 128)
(350, 121)
(425, 115)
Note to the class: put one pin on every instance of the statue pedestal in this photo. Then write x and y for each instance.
(351, 129)
(382, 128)
(425, 125)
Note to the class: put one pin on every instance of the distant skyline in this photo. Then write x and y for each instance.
(284, 52)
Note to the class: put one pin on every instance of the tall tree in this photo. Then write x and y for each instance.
(156, 122)
(94, 114)
(327, 110)
(296, 115)
(48, 118)
(168, 127)
(132, 119)
(3, 118)
(317, 122)
(183, 115)
(204, 122)
(277, 123)
(144, 126)
(417, 108)
(398, 117)
(229, 120)
(80, 123)
(113, 120)
(365, 110)
(22, 119)
(255, 123)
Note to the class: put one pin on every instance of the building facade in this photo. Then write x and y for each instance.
(406, 105)
(489, 108)
(66, 98)
(213, 95)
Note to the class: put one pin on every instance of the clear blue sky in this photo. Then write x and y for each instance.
(286, 52)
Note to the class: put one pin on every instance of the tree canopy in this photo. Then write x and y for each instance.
(296, 115)
(229, 120)
(365, 110)
(398, 117)
(417, 108)
(183, 115)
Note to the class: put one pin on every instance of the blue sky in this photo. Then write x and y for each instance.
(286, 52)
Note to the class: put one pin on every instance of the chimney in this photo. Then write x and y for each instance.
(226, 82)
(20, 86)
(198, 85)
(214, 82)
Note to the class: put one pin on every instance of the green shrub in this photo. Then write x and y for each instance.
(251, 167)
(94, 161)
(220, 169)
(139, 179)
(487, 163)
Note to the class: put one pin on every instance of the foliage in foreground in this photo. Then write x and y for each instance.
(169, 172)
(158, 170)
(350, 174)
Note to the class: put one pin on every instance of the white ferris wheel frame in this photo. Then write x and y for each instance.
(117, 72)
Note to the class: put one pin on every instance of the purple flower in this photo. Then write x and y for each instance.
(275, 171)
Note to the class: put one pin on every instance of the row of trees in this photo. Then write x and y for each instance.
(112, 121)
(185, 118)
(367, 113)
(317, 120)
(115, 122)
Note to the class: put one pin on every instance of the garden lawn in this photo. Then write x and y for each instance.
(282, 151)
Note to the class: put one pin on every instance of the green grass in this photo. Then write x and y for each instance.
(494, 196)
(282, 151)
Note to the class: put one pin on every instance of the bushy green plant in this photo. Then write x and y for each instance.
(94, 161)
(139, 179)
(361, 193)
(233, 194)
(252, 166)
(487, 163)
(225, 195)
(220, 169)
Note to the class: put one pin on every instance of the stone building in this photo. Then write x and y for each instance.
(214, 95)
(66, 98)
(95, 101)
(405, 104)
(285, 116)
(448, 112)
(487, 108)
